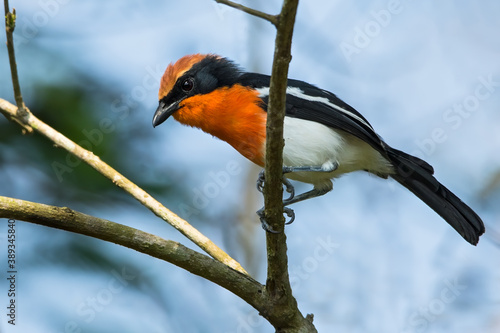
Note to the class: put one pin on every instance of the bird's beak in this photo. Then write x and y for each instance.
(164, 111)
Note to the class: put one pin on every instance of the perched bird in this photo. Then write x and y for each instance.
(324, 136)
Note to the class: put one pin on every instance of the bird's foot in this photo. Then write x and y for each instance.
(288, 186)
(288, 211)
(262, 216)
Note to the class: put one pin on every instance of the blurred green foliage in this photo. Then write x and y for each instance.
(79, 105)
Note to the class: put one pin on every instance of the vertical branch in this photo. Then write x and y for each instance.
(273, 191)
(10, 24)
(282, 311)
(278, 287)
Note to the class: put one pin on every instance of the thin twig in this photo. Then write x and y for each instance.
(70, 220)
(271, 18)
(139, 194)
(10, 25)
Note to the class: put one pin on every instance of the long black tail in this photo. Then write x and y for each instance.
(417, 176)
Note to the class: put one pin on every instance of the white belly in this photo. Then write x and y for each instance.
(308, 143)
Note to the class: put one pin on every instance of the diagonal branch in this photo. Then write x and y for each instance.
(271, 18)
(121, 181)
(175, 253)
(29, 122)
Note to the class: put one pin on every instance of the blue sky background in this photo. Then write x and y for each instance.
(368, 257)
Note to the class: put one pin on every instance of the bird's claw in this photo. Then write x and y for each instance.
(290, 213)
(262, 216)
(261, 179)
(263, 222)
(289, 188)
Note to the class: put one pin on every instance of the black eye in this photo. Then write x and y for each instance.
(187, 84)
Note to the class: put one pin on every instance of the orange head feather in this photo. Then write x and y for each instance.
(175, 71)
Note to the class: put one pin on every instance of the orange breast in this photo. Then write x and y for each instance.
(231, 114)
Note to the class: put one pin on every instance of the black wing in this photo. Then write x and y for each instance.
(305, 101)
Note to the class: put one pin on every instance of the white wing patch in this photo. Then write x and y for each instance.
(297, 92)
(263, 91)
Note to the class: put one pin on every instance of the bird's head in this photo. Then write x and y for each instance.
(207, 92)
(190, 76)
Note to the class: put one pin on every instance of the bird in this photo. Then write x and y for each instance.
(324, 137)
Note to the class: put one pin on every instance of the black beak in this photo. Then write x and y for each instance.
(164, 111)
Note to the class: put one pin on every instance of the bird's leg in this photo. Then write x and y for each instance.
(316, 192)
(328, 166)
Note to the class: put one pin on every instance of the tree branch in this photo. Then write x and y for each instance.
(22, 116)
(278, 281)
(27, 120)
(119, 180)
(10, 24)
(286, 316)
(175, 253)
(271, 18)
